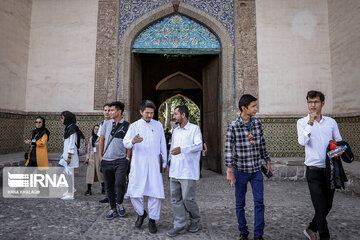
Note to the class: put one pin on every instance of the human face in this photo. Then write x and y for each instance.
(38, 123)
(96, 129)
(178, 117)
(106, 112)
(62, 118)
(147, 114)
(114, 113)
(250, 110)
(315, 105)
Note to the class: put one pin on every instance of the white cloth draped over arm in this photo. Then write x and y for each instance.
(72, 147)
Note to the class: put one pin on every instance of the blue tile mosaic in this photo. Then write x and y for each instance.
(130, 10)
(177, 31)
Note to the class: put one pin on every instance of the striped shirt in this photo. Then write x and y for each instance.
(241, 152)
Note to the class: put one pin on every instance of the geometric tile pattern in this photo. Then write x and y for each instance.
(280, 133)
(281, 136)
(165, 34)
(130, 10)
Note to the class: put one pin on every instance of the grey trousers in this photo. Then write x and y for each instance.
(183, 201)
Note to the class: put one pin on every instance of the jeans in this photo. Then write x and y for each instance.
(115, 177)
(257, 185)
(322, 199)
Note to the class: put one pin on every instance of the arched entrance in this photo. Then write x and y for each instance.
(146, 69)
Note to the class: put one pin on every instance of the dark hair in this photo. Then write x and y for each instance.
(106, 105)
(147, 104)
(42, 119)
(314, 94)
(245, 100)
(183, 109)
(118, 105)
(69, 117)
(93, 133)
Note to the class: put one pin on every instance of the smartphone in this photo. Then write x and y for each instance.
(264, 171)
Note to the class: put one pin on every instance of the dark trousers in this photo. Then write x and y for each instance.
(257, 185)
(115, 177)
(322, 199)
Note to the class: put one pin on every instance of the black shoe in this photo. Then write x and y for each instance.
(258, 238)
(152, 226)
(105, 200)
(88, 192)
(140, 220)
(244, 236)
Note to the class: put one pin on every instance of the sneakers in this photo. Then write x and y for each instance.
(68, 196)
(120, 210)
(140, 220)
(175, 231)
(310, 234)
(258, 238)
(243, 236)
(152, 226)
(193, 227)
(67, 192)
(111, 214)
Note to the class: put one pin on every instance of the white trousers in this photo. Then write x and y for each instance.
(154, 206)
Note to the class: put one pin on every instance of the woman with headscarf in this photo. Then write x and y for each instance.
(38, 155)
(70, 157)
(93, 173)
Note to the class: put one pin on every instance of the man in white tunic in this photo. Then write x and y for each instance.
(147, 139)
(186, 146)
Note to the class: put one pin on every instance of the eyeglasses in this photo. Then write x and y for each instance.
(313, 102)
(38, 122)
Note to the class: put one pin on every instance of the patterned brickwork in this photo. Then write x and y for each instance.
(280, 133)
(17, 127)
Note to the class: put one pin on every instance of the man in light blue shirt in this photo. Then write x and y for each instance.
(186, 146)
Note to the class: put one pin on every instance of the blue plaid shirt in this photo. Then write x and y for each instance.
(239, 153)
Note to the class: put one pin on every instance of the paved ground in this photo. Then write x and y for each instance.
(288, 209)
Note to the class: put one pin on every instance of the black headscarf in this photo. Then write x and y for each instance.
(94, 136)
(37, 133)
(71, 128)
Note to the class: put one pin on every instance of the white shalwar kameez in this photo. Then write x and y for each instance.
(145, 178)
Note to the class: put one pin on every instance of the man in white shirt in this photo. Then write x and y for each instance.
(106, 113)
(186, 146)
(314, 133)
(146, 138)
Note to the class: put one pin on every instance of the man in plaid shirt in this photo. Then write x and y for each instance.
(244, 149)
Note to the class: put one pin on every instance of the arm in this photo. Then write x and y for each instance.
(72, 147)
(171, 146)
(336, 133)
(101, 147)
(229, 145)
(197, 143)
(42, 142)
(127, 141)
(163, 149)
(304, 132)
(88, 152)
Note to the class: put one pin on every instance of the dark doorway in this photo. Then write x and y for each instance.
(158, 77)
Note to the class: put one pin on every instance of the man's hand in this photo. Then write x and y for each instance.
(230, 176)
(313, 116)
(269, 169)
(137, 139)
(68, 160)
(176, 151)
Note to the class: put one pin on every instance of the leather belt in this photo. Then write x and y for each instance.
(316, 168)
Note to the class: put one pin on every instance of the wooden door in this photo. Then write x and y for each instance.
(136, 88)
(211, 123)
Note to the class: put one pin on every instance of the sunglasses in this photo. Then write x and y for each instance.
(38, 122)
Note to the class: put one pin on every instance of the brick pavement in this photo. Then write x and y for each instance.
(288, 209)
